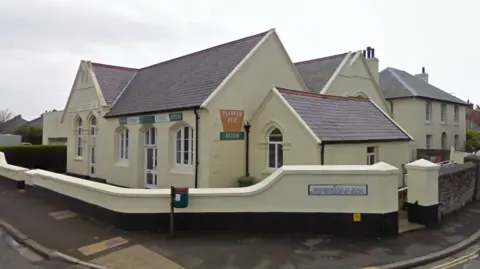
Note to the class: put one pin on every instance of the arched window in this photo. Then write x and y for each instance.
(184, 146)
(275, 149)
(444, 140)
(123, 144)
(93, 125)
(78, 136)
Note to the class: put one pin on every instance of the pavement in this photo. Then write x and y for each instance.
(15, 256)
(88, 240)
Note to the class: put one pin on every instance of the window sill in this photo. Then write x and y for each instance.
(428, 122)
(182, 169)
(456, 123)
(443, 123)
(122, 163)
(78, 158)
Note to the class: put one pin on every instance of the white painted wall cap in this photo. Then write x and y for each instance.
(422, 164)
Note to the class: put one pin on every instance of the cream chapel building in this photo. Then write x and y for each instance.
(210, 117)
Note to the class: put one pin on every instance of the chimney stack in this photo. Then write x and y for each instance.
(372, 62)
(423, 76)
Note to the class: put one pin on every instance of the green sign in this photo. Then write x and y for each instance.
(232, 135)
(159, 118)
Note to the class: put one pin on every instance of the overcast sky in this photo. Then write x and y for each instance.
(43, 41)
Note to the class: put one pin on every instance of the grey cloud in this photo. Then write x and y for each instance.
(45, 25)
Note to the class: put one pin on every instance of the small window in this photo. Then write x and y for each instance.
(79, 138)
(456, 116)
(123, 144)
(428, 111)
(184, 146)
(371, 155)
(275, 149)
(456, 142)
(428, 141)
(443, 113)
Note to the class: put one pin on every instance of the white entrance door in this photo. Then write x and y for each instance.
(150, 159)
(92, 156)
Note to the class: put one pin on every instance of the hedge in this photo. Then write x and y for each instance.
(46, 157)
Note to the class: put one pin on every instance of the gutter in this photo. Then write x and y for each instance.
(197, 121)
(322, 154)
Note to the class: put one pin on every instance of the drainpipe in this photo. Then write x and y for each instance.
(247, 148)
(322, 154)
(197, 120)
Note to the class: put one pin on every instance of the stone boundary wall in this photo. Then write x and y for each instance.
(456, 187)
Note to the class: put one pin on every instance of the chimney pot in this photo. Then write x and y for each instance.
(368, 52)
(373, 52)
(423, 70)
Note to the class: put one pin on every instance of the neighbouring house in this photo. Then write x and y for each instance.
(11, 125)
(435, 118)
(186, 121)
(53, 132)
(346, 74)
(473, 118)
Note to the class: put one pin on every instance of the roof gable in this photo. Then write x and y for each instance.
(112, 80)
(183, 82)
(397, 83)
(316, 73)
(343, 119)
(10, 126)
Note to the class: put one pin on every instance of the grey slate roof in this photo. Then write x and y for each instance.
(37, 123)
(183, 82)
(112, 79)
(10, 126)
(316, 73)
(343, 119)
(397, 83)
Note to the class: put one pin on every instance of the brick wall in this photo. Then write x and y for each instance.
(457, 186)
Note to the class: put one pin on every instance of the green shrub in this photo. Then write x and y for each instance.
(46, 157)
(245, 181)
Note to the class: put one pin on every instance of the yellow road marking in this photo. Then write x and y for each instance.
(101, 246)
(457, 261)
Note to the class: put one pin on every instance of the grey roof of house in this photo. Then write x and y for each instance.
(112, 79)
(37, 123)
(397, 83)
(316, 73)
(10, 126)
(343, 119)
(183, 82)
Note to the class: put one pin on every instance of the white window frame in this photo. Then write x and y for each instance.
(79, 137)
(428, 141)
(277, 149)
(428, 111)
(181, 149)
(371, 155)
(443, 113)
(456, 114)
(123, 136)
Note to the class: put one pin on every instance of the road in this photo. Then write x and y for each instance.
(467, 259)
(16, 256)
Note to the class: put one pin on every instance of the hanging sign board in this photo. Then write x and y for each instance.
(232, 123)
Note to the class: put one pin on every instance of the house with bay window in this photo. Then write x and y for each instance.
(186, 121)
